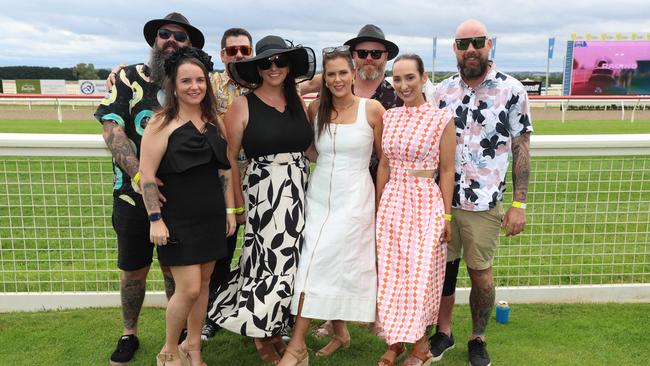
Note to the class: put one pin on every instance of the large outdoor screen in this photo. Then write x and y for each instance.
(610, 67)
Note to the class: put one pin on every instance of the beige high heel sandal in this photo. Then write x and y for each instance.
(163, 358)
(302, 356)
(185, 356)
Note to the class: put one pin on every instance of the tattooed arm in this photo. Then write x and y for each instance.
(226, 184)
(152, 149)
(118, 143)
(515, 219)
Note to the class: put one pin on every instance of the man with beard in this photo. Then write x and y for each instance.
(492, 118)
(124, 114)
(236, 45)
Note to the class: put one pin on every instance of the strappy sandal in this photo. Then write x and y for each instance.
(278, 344)
(301, 356)
(333, 346)
(266, 350)
(419, 355)
(163, 357)
(186, 357)
(398, 349)
(324, 330)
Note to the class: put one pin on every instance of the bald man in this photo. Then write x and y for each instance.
(493, 124)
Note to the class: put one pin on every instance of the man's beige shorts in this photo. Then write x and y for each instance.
(477, 232)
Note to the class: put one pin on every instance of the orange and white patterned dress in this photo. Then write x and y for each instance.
(410, 222)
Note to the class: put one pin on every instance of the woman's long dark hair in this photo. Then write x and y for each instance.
(170, 110)
(326, 106)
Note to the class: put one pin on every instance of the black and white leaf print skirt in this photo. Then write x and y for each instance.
(256, 300)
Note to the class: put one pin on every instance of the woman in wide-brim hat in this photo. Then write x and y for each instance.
(271, 125)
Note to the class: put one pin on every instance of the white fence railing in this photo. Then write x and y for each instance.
(587, 236)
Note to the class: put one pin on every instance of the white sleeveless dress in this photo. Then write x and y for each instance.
(337, 269)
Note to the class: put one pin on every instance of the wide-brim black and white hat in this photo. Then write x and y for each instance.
(302, 62)
(373, 33)
(151, 29)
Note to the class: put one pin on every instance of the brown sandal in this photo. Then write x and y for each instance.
(398, 349)
(278, 344)
(301, 356)
(419, 356)
(266, 350)
(336, 343)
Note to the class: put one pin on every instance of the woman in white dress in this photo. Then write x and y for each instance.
(337, 276)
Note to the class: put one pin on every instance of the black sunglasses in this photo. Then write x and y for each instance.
(278, 60)
(375, 54)
(477, 42)
(178, 36)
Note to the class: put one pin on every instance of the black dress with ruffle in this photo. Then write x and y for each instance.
(195, 210)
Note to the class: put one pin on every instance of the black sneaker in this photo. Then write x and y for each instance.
(441, 343)
(126, 347)
(182, 336)
(478, 355)
(209, 330)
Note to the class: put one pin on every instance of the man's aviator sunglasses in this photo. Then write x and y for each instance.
(477, 42)
(375, 54)
(279, 61)
(232, 50)
(178, 36)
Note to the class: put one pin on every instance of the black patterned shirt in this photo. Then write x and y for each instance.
(130, 103)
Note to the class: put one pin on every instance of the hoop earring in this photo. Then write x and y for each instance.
(326, 85)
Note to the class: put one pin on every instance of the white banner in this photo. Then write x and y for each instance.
(52, 86)
(92, 87)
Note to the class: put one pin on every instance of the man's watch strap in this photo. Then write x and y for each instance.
(155, 216)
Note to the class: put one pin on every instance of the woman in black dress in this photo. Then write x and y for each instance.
(271, 124)
(184, 146)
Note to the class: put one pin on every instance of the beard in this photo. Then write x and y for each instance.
(472, 72)
(373, 72)
(157, 59)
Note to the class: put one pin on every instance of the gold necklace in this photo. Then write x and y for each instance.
(346, 107)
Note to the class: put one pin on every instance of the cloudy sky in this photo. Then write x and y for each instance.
(63, 33)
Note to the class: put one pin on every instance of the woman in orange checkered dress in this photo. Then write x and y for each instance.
(413, 216)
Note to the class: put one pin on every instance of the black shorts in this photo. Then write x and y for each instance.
(131, 224)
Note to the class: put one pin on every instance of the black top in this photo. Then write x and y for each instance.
(187, 148)
(130, 104)
(271, 132)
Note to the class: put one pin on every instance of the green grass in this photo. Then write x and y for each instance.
(581, 127)
(588, 223)
(50, 126)
(578, 334)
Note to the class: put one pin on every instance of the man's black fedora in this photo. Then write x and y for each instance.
(151, 29)
(373, 33)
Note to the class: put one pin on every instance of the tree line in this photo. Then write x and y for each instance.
(81, 71)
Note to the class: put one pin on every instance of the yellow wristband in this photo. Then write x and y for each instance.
(235, 210)
(448, 217)
(136, 178)
(518, 204)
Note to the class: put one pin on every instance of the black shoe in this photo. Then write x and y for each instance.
(126, 347)
(441, 343)
(209, 330)
(183, 335)
(478, 355)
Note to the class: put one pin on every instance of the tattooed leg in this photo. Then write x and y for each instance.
(170, 285)
(132, 290)
(481, 300)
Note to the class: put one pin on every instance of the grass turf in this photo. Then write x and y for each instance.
(544, 334)
(576, 127)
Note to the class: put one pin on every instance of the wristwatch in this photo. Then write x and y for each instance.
(155, 216)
